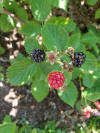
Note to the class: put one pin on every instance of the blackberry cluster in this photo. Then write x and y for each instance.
(78, 59)
(38, 55)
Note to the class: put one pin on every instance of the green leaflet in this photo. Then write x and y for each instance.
(21, 72)
(92, 2)
(30, 29)
(69, 95)
(41, 10)
(40, 90)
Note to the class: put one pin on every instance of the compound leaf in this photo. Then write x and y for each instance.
(21, 72)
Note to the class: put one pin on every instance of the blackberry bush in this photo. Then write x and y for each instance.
(61, 38)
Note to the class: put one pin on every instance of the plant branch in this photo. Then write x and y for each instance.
(13, 16)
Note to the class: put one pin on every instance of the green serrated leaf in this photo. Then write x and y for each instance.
(21, 72)
(40, 73)
(66, 23)
(6, 23)
(97, 73)
(68, 77)
(30, 44)
(75, 73)
(90, 64)
(40, 90)
(96, 36)
(49, 68)
(88, 80)
(57, 20)
(30, 29)
(97, 14)
(74, 40)
(21, 13)
(7, 119)
(54, 3)
(69, 95)
(92, 94)
(20, 56)
(92, 2)
(90, 38)
(59, 4)
(70, 25)
(40, 10)
(8, 128)
(10, 5)
(54, 36)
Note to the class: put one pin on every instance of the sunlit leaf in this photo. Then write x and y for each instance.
(69, 95)
(88, 80)
(90, 64)
(8, 128)
(40, 90)
(21, 72)
(54, 36)
(40, 9)
(6, 23)
(21, 13)
(30, 44)
(97, 14)
(30, 29)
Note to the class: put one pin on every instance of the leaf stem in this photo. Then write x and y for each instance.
(80, 82)
(13, 16)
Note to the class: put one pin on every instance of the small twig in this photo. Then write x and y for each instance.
(13, 16)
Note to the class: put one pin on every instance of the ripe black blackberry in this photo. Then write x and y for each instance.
(78, 59)
(38, 55)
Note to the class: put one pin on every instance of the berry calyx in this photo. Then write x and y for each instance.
(56, 79)
(78, 59)
(38, 55)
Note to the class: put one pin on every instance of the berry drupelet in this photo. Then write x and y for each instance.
(78, 59)
(38, 55)
(56, 80)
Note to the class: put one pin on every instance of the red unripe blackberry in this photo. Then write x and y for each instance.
(38, 55)
(56, 79)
